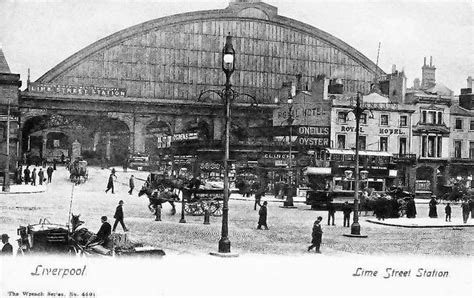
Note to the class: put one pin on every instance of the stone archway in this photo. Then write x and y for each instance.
(47, 137)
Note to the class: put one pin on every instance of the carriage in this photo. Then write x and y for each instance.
(78, 171)
(50, 238)
(202, 199)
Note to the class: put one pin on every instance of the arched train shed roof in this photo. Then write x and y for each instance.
(175, 57)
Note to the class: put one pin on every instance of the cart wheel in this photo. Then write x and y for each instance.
(216, 209)
(193, 209)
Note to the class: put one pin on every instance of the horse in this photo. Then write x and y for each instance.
(78, 170)
(158, 196)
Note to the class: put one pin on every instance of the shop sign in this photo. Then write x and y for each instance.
(350, 129)
(4, 118)
(77, 90)
(210, 166)
(185, 137)
(390, 131)
(164, 141)
(274, 156)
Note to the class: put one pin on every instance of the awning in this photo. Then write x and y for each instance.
(361, 152)
(317, 171)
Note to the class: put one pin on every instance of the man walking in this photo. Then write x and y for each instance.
(41, 176)
(262, 216)
(26, 173)
(110, 183)
(465, 210)
(447, 209)
(49, 172)
(317, 235)
(331, 213)
(346, 209)
(7, 247)
(131, 184)
(119, 217)
(33, 177)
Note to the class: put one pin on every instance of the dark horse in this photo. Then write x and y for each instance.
(159, 195)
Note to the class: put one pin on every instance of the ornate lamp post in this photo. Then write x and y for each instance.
(227, 96)
(358, 111)
(290, 120)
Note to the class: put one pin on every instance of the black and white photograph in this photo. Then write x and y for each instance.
(159, 148)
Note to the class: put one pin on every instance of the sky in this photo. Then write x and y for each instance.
(39, 34)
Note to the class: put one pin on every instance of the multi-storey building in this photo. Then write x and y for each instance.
(461, 165)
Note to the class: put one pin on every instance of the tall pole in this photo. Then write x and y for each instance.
(355, 227)
(6, 178)
(224, 242)
(290, 123)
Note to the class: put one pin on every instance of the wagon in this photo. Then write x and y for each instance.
(197, 201)
(78, 170)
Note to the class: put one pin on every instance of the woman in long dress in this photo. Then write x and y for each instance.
(433, 213)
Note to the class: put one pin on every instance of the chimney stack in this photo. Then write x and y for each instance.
(469, 82)
(424, 62)
(394, 68)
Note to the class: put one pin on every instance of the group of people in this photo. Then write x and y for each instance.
(105, 230)
(111, 186)
(467, 206)
(34, 177)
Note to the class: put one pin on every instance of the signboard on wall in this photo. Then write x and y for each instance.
(77, 90)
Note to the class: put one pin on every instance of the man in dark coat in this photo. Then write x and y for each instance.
(131, 184)
(7, 247)
(33, 177)
(41, 176)
(49, 172)
(119, 217)
(433, 213)
(317, 235)
(262, 216)
(471, 207)
(465, 211)
(331, 213)
(103, 234)
(110, 183)
(411, 208)
(26, 173)
(447, 210)
(347, 209)
(259, 192)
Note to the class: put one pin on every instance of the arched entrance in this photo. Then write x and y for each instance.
(49, 138)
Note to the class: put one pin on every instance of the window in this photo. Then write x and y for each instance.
(423, 117)
(383, 144)
(362, 142)
(341, 141)
(341, 117)
(458, 124)
(471, 126)
(457, 149)
(403, 121)
(431, 146)
(423, 146)
(432, 117)
(440, 146)
(383, 119)
(363, 119)
(471, 150)
(402, 148)
(440, 117)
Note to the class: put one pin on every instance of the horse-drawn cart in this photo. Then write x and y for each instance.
(78, 171)
(197, 201)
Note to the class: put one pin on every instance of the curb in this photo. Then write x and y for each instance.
(424, 226)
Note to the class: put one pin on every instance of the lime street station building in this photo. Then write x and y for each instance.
(135, 92)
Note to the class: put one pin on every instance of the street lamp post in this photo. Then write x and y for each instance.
(358, 111)
(6, 177)
(227, 96)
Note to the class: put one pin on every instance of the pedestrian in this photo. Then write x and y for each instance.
(110, 183)
(433, 213)
(103, 234)
(33, 177)
(54, 165)
(119, 217)
(411, 208)
(49, 172)
(447, 209)
(346, 209)
(131, 184)
(317, 235)
(471, 207)
(331, 212)
(262, 216)
(258, 196)
(7, 247)
(40, 176)
(465, 210)
(26, 174)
